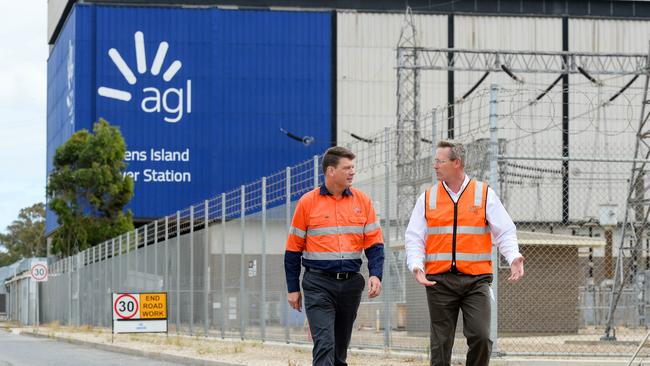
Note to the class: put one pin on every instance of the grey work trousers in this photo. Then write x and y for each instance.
(331, 306)
(472, 295)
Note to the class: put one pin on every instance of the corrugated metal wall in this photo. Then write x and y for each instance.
(608, 130)
(366, 75)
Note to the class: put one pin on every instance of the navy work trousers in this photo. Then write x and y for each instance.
(331, 306)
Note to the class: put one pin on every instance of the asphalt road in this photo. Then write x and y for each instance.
(17, 350)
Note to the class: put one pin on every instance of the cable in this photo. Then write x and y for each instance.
(589, 77)
(471, 90)
(306, 140)
(624, 88)
(548, 89)
(513, 76)
(370, 141)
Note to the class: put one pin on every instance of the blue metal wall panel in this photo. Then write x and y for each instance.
(243, 76)
(61, 95)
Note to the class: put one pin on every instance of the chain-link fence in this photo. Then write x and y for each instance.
(560, 175)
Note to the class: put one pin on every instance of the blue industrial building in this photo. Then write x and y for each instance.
(203, 97)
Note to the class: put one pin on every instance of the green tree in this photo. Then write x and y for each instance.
(25, 237)
(88, 190)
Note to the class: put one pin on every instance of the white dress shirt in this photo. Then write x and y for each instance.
(504, 233)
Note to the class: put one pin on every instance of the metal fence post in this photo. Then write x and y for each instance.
(178, 271)
(287, 336)
(69, 273)
(119, 268)
(434, 143)
(242, 283)
(206, 266)
(223, 266)
(80, 264)
(315, 171)
(135, 252)
(166, 261)
(94, 277)
(104, 267)
(386, 277)
(155, 248)
(494, 182)
(144, 248)
(191, 321)
(263, 302)
(128, 258)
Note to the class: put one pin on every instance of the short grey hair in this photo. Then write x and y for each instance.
(457, 150)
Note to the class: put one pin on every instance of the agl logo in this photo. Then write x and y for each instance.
(174, 102)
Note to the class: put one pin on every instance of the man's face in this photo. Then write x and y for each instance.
(343, 173)
(445, 168)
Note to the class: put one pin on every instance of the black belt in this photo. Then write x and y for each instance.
(337, 275)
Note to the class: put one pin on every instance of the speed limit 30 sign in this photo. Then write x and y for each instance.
(140, 312)
(39, 271)
(126, 306)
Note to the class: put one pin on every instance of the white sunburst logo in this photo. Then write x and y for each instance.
(174, 102)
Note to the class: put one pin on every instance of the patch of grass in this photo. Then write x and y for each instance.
(238, 348)
(204, 349)
(85, 328)
(54, 326)
(291, 362)
(175, 341)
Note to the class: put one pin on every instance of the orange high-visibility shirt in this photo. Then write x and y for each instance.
(331, 234)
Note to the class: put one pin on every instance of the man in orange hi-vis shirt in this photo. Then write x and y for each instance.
(333, 224)
(449, 250)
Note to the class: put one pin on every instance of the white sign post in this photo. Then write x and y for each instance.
(139, 312)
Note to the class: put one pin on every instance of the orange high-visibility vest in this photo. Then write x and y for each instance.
(458, 234)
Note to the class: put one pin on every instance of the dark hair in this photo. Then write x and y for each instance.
(333, 155)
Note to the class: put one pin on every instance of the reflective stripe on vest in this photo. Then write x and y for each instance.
(459, 230)
(478, 194)
(328, 256)
(433, 193)
(468, 257)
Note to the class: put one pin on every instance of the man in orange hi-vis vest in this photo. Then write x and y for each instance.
(333, 224)
(449, 250)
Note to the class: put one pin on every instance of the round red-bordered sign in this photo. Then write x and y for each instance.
(122, 314)
(39, 272)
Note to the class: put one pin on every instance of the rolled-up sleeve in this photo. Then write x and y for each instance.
(415, 236)
(504, 232)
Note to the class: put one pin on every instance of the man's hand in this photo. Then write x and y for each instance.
(295, 300)
(422, 278)
(374, 286)
(516, 269)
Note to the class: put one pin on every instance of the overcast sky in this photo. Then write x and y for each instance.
(23, 57)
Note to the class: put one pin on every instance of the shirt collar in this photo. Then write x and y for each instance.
(325, 192)
(462, 186)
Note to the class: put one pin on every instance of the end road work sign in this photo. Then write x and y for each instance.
(144, 312)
